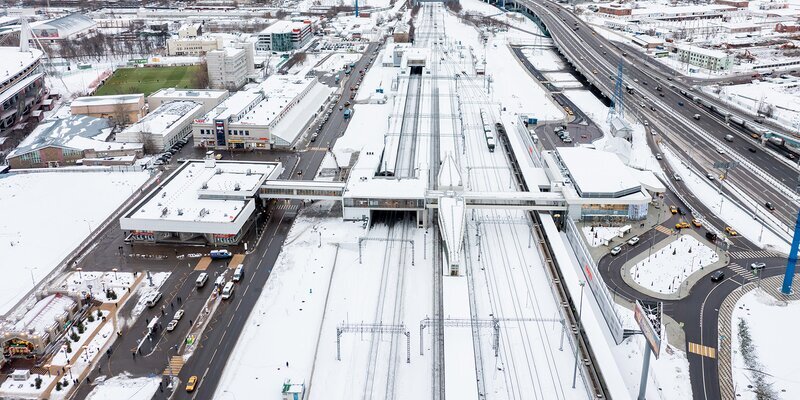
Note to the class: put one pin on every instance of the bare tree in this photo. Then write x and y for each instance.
(201, 80)
(119, 115)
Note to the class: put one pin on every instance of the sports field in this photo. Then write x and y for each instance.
(149, 80)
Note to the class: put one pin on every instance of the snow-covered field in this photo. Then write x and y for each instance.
(544, 59)
(125, 387)
(772, 327)
(600, 235)
(739, 219)
(49, 208)
(779, 97)
(665, 270)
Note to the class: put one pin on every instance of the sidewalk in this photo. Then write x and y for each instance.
(113, 308)
(655, 216)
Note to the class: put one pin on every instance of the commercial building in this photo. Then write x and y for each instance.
(66, 27)
(285, 36)
(270, 115)
(203, 201)
(72, 141)
(163, 127)
(123, 108)
(193, 46)
(21, 84)
(231, 67)
(740, 4)
(715, 60)
(38, 328)
(615, 9)
(647, 41)
(615, 192)
(208, 98)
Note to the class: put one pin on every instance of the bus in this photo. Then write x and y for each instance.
(488, 133)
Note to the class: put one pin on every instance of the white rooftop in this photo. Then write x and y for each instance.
(183, 196)
(189, 94)
(702, 50)
(44, 314)
(162, 118)
(597, 173)
(12, 61)
(107, 100)
(283, 27)
(682, 10)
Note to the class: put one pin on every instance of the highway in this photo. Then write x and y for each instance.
(762, 175)
(226, 324)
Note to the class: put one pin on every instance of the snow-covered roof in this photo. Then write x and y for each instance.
(449, 175)
(202, 193)
(159, 121)
(67, 25)
(76, 132)
(188, 94)
(681, 10)
(44, 314)
(598, 173)
(12, 61)
(283, 27)
(107, 100)
(452, 214)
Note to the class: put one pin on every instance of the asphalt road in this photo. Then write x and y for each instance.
(586, 49)
(226, 324)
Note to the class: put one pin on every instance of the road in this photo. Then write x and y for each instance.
(226, 324)
(765, 177)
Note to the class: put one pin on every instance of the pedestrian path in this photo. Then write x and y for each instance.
(174, 367)
(704, 351)
(663, 229)
(738, 255)
(203, 264)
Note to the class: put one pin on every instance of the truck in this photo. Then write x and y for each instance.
(347, 113)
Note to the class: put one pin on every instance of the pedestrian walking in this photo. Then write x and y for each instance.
(163, 312)
(171, 306)
(134, 355)
(190, 322)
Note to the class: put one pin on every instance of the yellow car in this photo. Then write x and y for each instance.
(731, 231)
(681, 225)
(191, 383)
(673, 210)
(696, 223)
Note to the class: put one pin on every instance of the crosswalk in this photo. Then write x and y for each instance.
(174, 367)
(285, 206)
(744, 272)
(738, 255)
(663, 229)
(704, 351)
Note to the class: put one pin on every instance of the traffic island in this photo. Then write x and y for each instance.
(672, 266)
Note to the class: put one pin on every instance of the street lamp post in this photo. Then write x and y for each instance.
(580, 311)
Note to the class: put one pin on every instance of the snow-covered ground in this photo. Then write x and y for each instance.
(778, 96)
(665, 270)
(26, 389)
(31, 216)
(742, 221)
(772, 327)
(544, 59)
(125, 387)
(337, 61)
(89, 354)
(600, 235)
(77, 283)
(62, 357)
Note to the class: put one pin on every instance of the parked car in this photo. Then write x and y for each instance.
(152, 299)
(717, 276)
(178, 315)
(711, 236)
(616, 250)
(633, 241)
(220, 254)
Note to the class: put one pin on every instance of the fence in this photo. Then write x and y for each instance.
(595, 281)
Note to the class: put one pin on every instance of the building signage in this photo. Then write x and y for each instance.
(219, 127)
(647, 319)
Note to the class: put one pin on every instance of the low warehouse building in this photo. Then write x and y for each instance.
(123, 109)
(164, 127)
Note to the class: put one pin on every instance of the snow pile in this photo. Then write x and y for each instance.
(125, 387)
(48, 208)
(665, 269)
(770, 325)
(600, 235)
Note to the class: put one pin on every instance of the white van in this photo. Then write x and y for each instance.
(220, 281)
(227, 291)
(238, 273)
(153, 298)
(201, 280)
